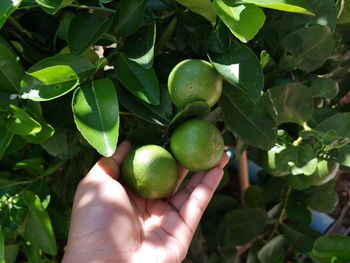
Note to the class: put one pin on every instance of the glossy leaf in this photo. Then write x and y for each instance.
(344, 12)
(96, 114)
(307, 49)
(244, 21)
(139, 47)
(21, 122)
(32, 253)
(141, 82)
(299, 159)
(326, 193)
(7, 7)
(11, 252)
(128, 17)
(324, 88)
(245, 224)
(332, 246)
(273, 251)
(37, 228)
(297, 210)
(248, 120)
(5, 139)
(85, 29)
(81, 65)
(2, 246)
(45, 85)
(240, 66)
(200, 7)
(160, 114)
(52, 6)
(34, 108)
(55, 76)
(300, 237)
(11, 72)
(291, 102)
(296, 6)
(332, 123)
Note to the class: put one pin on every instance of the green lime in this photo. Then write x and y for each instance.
(197, 145)
(193, 80)
(150, 171)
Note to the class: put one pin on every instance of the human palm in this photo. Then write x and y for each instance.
(111, 224)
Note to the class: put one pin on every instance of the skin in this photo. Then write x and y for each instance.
(110, 224)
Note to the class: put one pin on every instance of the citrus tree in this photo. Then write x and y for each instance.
(77, 77)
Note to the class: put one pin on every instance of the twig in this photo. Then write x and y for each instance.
(243, 173)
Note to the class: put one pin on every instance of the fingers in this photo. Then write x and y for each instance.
(109, 167)
(121, 152)
(193, 207)
(182, 174)
(178, 199)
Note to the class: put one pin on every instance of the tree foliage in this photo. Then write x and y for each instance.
(76, 77)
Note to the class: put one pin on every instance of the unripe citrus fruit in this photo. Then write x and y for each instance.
(193, 80)
(150, 171)
(197, 145)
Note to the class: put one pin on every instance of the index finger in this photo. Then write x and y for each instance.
(109, 167)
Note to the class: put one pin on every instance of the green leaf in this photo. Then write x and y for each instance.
(339, 123)
(296, 209)
(33, 166)
(250, 121)
(62, 145)
(299, 159)
(11, 71)
(273, 251)
(7, 7)
(200, 7)
(128, 17)
(254, 197)
(141, 82)
(34, 109)
(344, 12)
(324, 88)
(5, 140)
(139, 47)
(2, 246)
(11, 252)
(32, 253)
(96, 114)
(219, 39)
(296, 6)
(85, 29)
(55, 75)
(307, 49)
(332, 246)
(245, 224)
(240, 66)
(36, 227)
(21, 122)
(291, 102)
(81, 65)
(53, 6)
(244, 20)
(322, 198)
(72, 70)
(36, 90)
(300, 237)
(160, 114)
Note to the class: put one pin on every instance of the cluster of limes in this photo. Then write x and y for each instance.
(151, 171)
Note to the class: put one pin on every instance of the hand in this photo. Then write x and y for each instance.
(111, 224)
